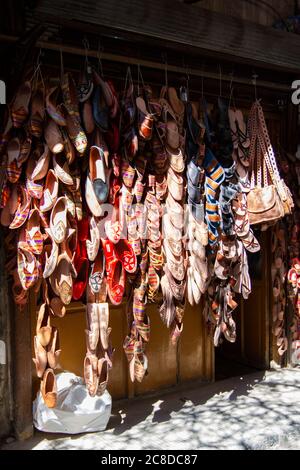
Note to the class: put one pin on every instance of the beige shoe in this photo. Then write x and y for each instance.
(53, 351)
(53, 137)
(49, 388)
(43, 327)
(50, 192)
(40, 359)
(103, 313)
(42, 165)
(62, 170)
(93, 331)
(90, 374)
(102, 376)
(93, 244)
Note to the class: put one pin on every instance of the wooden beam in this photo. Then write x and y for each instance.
(176, 23)
(154, 65)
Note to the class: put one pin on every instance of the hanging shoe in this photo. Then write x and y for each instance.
(20, 105)
(50, 192)
(37, 115)
(49, 389)
(58, 220)
(22, 210)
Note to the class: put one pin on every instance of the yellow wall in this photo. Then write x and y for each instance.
(168, 365)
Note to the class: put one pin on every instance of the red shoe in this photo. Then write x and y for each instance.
(80, 282)
(126, 255)
(83, 230)
(116, 282)
(109, 253)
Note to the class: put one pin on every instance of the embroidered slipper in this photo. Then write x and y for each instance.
(37, 115)
(93, 327)
(167, 310)
(93, 243)
(13, 167)
(126, 255)
(22, 210)
(175, 211)
(63, 278)
(34, 237)
(90, 374)
(62, 170)
(76, 133)
(53, 108)
(175, 185)
(97, 280)
(58, 220)
(128, 174)
(250, 242)
(154, 283)
(28, 268)
(116, 282)
(177, 287)
(42, 165)
(20, 105)
(86, 85)
(103, 315)
(145, 120)
(51, 255)
(50, 192)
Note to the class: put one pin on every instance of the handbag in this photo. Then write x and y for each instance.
(269, 199)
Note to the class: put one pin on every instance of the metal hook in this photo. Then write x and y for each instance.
(61, 63)
(165, 60)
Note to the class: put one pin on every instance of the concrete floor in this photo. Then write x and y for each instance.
(257, 411)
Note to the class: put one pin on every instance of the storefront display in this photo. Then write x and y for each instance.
(113, 195)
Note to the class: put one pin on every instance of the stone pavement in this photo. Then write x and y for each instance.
(257, 411)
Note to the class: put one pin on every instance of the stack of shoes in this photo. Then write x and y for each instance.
(98, 359)
(173, 282)
(278, 271)
(290, 169)
(47, 352)
(197, 236)
(294, 297)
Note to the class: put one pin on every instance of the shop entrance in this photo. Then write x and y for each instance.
(251, 352)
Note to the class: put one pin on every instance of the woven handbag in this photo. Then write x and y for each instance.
(269, 199)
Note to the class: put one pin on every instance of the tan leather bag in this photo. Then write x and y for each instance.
(264, 205)
(269, 199)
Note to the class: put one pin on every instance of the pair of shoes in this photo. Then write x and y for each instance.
(119, 258)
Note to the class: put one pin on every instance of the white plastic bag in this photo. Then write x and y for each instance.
(76, 412)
